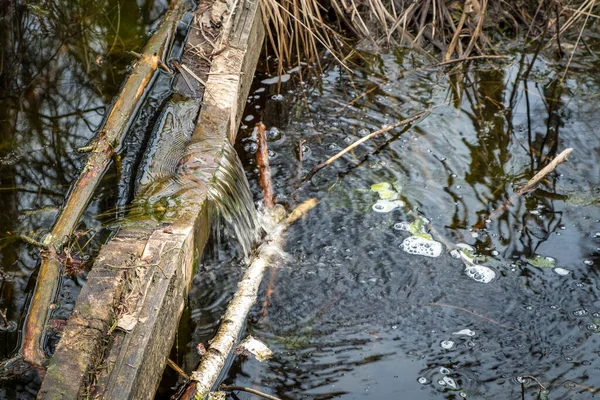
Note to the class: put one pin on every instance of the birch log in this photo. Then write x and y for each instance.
(206, 375)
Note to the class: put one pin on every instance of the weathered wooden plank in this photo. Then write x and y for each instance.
(145, 271)
(82, 341)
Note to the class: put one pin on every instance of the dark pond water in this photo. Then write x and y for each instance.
(354, 316)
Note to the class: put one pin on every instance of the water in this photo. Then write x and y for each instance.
(232, 199)
(352, 314)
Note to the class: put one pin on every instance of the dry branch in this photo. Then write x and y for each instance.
(370, 136)
(531, 184)
(82, 190)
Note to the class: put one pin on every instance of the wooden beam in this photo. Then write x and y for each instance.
(150, 279)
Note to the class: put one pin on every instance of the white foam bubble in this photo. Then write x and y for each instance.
(450, 382)
(447, 344)
(276, 79)
(562, 271)
(385, 206)
(480, 273)
(402, 226)
(467, 332)
(422, 247)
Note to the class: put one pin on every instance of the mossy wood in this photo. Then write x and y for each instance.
(140, 279)
(82, 190)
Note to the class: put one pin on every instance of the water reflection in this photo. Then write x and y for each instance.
(62, 63)
(353, 316)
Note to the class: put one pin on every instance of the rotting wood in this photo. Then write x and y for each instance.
(81, 192)
(129, 364)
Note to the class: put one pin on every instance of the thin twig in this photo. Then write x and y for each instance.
(262, 162)
(531, 184)
(477, 315)
(387, 128)
(249, 390)
(177, 369)
(32, 241)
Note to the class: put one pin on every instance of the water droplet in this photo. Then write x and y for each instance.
(423, 381)
(273, 133)
(444, 371)
(494, 253)
(582, 312)
(588, 262)
(277, 97)
(450, 382)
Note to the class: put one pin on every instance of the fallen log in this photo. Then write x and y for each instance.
(105, 352)
(107, 142)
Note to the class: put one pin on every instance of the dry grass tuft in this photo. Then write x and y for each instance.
(456, 29)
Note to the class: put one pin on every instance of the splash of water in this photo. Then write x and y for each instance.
(231, 197)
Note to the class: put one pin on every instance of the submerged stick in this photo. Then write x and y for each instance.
(264, 170)
(370, 136)
(82, 190)
(531, 184)
(206, 375)
(249, 390)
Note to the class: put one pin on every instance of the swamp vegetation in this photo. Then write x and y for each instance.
(419, 274)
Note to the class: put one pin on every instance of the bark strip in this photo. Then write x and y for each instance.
(82, 190)
(264, 170)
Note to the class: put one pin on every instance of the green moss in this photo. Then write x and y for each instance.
(542, 262)
(377, 187)
(417, 228)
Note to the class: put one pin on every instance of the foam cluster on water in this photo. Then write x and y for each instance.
(480, 273)
(386, 206)
(422, 247)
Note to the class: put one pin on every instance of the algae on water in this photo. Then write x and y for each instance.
(541, 262)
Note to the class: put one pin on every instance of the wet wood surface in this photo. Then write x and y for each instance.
(117, 341)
